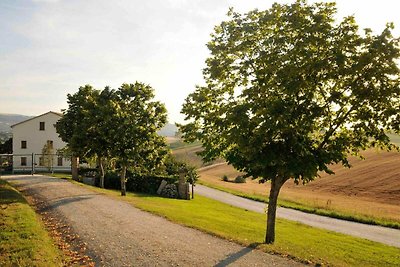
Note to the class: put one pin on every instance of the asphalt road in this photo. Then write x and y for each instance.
(118, 234)
(380, 234)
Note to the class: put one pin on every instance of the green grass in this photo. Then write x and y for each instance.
(304, 243)
(395, 139)
(182, 144)
(23, 239)
(60, 175)
(313, 210)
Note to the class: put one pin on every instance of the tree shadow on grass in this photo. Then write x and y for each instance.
(9, 196)
(237, 255)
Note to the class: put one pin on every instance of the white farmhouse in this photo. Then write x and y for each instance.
(35, 144)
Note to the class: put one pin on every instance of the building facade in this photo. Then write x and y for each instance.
(35, 145)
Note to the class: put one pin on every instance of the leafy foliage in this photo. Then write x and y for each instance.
(47, 155)
(6, 147)
(289, 92)
(119, 124)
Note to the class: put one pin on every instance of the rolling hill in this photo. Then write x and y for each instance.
(6, 120)
(371, 187)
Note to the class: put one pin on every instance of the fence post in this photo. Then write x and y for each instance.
(32, 165)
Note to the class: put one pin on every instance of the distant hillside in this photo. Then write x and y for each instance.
(6, 120)
(168, 130)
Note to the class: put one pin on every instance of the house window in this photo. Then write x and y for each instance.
(41, 161)
(59, 161)
(23, 144)
(23, 161)
(41, 126)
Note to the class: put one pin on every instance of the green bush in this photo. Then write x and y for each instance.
(240, 179)
(225, 178)
(88, 172)
(137, 183)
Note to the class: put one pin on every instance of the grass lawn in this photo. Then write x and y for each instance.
(23, 239)
(293, 239)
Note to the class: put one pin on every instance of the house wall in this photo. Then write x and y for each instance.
(36, 139)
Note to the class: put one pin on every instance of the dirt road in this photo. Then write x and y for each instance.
(375, 233)
(118, 234)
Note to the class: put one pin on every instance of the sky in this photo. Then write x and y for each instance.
(48, 48)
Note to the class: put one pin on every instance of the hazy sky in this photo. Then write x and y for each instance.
(49, 48)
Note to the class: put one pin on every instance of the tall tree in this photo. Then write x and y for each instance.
(75, 122)
(135, 122)
(289, 92)
(100, 123)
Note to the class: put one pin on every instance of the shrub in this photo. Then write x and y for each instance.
(88, 172)
(225, 178)
(240, 179)
(146, 183)
(137, 183)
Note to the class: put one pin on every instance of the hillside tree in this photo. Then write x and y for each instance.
(289, 92)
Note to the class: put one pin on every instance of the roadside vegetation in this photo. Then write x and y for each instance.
(23, 239)
(310, 207)
(288, 104)
(335, 206)
(304, 243)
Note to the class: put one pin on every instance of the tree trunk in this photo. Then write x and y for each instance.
(74, 168)
(123, 181)
(102, 174)
(276, 185)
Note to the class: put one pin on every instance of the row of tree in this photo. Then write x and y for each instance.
(119, 124)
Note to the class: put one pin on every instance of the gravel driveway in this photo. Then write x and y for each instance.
(118, 234)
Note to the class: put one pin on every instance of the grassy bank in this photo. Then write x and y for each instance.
(324, 211)
(306, 244)
(23, 239)
(310, 209)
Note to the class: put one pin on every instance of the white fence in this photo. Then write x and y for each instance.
(34, 163)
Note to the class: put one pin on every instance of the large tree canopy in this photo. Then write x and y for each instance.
(289, 91)
(135, 122)
(120, 124)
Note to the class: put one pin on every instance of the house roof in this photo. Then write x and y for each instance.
(56, 113)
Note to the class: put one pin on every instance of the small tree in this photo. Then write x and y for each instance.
(133, 132)
(289, 92)
(47, 155)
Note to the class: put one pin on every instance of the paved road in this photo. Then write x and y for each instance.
(372, 232)
(117, 234)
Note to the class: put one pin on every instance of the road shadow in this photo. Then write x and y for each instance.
(65, 201)
(32, 180)
(237, 255)
(8, 195)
